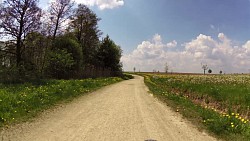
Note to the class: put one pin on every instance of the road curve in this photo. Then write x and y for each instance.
(120, 112)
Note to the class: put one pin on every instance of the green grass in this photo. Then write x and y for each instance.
(181, 92)
(19, 102)
(230, 91)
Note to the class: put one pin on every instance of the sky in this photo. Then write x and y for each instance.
(182, 33)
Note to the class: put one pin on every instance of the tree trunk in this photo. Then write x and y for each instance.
(18, 44)
(57, 23)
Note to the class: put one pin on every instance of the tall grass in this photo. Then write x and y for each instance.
(187, 94)
(229, 91)
(21, 101)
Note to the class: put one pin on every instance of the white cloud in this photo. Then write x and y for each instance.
(219, 55)
(247, 48)
(102, 4)
(172, 44)
(157, 38)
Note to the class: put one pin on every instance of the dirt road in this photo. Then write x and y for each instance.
(120, 112)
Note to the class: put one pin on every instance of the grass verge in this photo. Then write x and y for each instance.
(19, 102)
(227, 126)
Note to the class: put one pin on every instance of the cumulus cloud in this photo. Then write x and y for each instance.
(172, 44)
(218, 54)
(102, 4)
(247, 48)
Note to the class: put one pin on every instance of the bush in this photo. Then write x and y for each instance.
(60, 64)
(64, 60)
(127, 76)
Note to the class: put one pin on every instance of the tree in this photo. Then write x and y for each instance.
(59, 12)
(17, 19)
(109, 55)
(7, 54)
(60, 64)
(71, 46)
(35, 55)
(166, 67)
(84, 24)
(65, 58)
(220, 71)
(204, 67)
(209, 71)
(134, 69)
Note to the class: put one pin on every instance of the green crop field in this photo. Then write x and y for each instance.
(218, 103)
(18, 102)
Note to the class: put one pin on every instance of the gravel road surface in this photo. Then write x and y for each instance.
(120, 112)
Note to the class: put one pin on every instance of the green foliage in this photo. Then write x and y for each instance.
(179, 91)
(109, 55)
(231, 90)
(84, 25)
(127, 76)
(65, 58)
(34, 57)
(72, 47)
(20, 101)
(9, 75)
(38, 55)
(60, 64)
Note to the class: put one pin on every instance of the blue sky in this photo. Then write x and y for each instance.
(130, 23)
(181, 20)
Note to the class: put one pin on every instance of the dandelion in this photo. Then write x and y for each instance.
(232, 126)
(232, 114)
(232, 123)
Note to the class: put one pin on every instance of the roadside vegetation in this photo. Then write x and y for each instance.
(61, 42)
(19, 102)
(218, 103)
(51, 55)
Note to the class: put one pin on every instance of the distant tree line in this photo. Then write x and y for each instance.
(62, 42)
